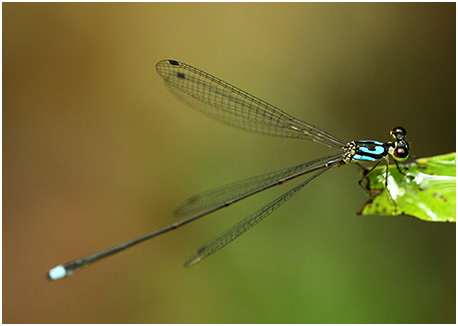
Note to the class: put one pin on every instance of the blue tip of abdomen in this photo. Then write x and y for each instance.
(57, 273)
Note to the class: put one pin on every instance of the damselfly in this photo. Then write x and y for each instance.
(231, 105)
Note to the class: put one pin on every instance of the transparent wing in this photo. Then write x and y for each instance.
(228, 193)
(246, 224)
(236, 107)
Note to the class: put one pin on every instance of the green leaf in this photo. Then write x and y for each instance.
(427, 190)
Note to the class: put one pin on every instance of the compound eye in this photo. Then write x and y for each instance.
(398, 133)
(401, 154)
(399, 129)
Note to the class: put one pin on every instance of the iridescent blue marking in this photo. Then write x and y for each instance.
(363, 158)
(371, 142)
(369, 150)
(57, 272)
(377, 151)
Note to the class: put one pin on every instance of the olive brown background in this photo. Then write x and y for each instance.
(96, 151)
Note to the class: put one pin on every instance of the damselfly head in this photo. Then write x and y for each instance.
(399, 149)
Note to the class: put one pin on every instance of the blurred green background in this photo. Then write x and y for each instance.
(96, 151)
